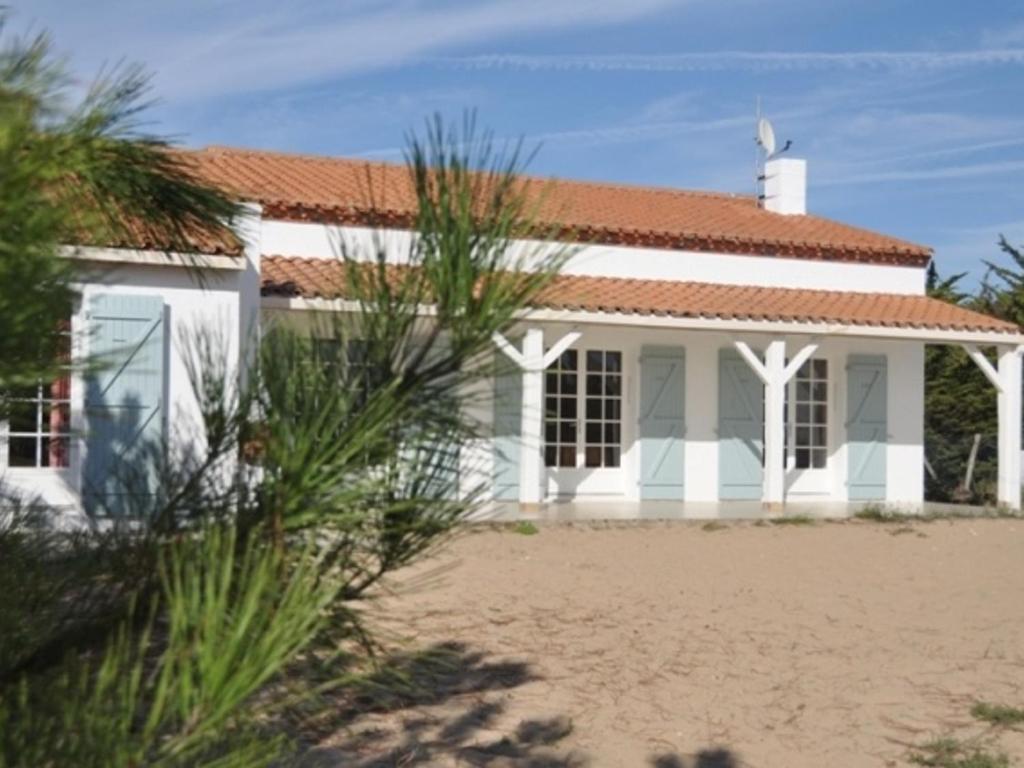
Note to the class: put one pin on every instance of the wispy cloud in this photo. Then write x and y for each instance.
(618, 133)
(930, 174)
(1004, 36)
(236, 47)
(741, 60)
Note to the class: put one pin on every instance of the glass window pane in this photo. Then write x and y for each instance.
(21, 452)
(803, 458)
(55, 452)
(803, 390)
(613, 361)
(551, 406)
(611, 456)
(567, 456)
(593, 384)
(819, 457)
(820, 391)
(568, 384)
(803, 413)
(821, 369)
(613, 385)
(593, 457)
(820, 414)
(803, 436)
(593, 432)
(22, 417)
(551, 383)
(805, 370)
(611, 433)
(25, 393)
(550, 455)
(595, 360)
(567, 432)
(819, 437)
(613, 409)
(551, 432)
(593, 408)
(568, 360)
(568, 407)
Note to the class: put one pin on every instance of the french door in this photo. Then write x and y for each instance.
(583, 430)
(807, 428)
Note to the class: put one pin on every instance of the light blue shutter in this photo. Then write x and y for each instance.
(446, 458)
(508, 408)
(866, 426)
(740, 429)
(124, 403)
(662, 422)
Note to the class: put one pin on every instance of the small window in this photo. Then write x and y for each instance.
(363, 373)
(38, 426)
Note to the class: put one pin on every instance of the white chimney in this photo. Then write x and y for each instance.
(785, 186)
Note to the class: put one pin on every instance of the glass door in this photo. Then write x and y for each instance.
(583, 392)
(807, 438)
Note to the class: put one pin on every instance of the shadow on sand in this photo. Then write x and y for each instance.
(442, 707)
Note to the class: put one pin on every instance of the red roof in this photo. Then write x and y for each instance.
(342, 191)
(325, 278)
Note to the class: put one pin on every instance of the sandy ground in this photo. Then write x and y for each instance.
(669, 645)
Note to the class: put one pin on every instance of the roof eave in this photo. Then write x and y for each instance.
(734, 324)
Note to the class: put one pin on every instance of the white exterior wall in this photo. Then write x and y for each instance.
(905, 393)
(189, 308)
(320, 241)
(230, 295)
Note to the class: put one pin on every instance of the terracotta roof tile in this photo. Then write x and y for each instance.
(324, 278)
(344, 191)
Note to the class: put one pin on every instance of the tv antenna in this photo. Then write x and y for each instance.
(766, 150)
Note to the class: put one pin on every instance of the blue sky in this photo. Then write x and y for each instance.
(910, 114)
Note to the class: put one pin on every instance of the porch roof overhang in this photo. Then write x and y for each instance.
(319, 285)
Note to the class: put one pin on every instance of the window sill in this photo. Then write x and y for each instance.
(35, 471)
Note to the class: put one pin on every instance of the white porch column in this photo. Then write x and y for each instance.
(533, 362)
(1009, 407)
(775, 424)
(530, 458)
(1007, 381)
(775, 374)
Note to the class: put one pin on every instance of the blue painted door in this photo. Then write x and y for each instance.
(124, 403)
(662, 422)
(740, 429)
(866, 426)
(508, 407)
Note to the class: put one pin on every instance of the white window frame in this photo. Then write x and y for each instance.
(581, 372)
(40, 401)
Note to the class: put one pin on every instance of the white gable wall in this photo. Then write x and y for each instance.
(189, 308)
(281, 238)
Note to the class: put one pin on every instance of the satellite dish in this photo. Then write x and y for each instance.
(766, 136)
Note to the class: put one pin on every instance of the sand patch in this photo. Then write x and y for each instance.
(665, 644)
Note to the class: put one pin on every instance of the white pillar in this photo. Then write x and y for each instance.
(533, 362)
(1009, 407)
(250, 229)
(774, 424)
(774, 373)
(1007, 381)
(532, 425)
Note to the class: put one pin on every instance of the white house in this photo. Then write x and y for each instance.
(698, 347)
